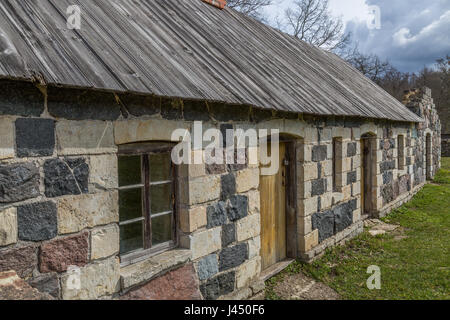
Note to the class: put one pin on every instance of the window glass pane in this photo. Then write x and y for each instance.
(129, 170)
(160, 166)
(131, 237)
(130, 204)
(161, 198)
(162, 229)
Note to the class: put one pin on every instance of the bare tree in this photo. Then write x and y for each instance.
(311, 21)
(252, 8)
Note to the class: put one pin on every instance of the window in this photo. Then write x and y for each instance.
(337, 164)
(146, 199)
(401, 152)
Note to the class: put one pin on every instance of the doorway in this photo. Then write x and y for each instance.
(368, 170)
(274, 191)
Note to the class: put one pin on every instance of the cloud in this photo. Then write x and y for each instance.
(413, 34)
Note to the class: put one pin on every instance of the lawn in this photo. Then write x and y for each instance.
(414, 261)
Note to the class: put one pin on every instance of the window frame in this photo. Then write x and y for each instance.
(144, 150)
(337, 160)
(401, 152)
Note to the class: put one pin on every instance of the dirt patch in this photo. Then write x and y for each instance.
(378, 227)
(301, 287)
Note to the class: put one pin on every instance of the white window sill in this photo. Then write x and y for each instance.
(147, 269)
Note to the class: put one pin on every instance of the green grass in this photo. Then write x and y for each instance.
(416, 266)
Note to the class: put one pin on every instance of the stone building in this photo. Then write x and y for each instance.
(91, 205)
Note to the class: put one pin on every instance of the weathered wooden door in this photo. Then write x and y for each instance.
(367, 174)
(273, 215)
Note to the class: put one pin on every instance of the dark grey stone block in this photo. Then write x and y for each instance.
(343, 217)
(140, 105)
(228, 186)
(21, 99)
(319, 153)
(228, 234)
(226, 283)
(78, 104)
(238, 208)
(216, 215)
(351, 177)
(195, 111)
(388, 177)
(171, 109)
(324, 222)
(232, 257)
(210, 290)
(37, 221)
(351, 149)
(208, 267)
(223, 112)
(387, 165)
(47, 283)
(62, 179)
(318, 187)
(35, 137)
(18, 182)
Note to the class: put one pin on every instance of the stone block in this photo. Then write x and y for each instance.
(7, 141)
(208, 267)
(58, 255)
(18, 182)
(219, 286)
(309, 241)
(8, 227)
(238, 208)
(193, 219)
(23, 260)
(79, 104)
(248, 227)
(254, 247)
(105, 242)
(203, 243)
(352, 177)
(85, 137)
(254, 202)
(103, 173)
(309, 172)
(319, 153)
(48, 283)
(202, 190)
(35, 137)
(324, 222)
(304, 226)
(228, 186)
(76, 213)
(96, 280)
(351, 149)
(247, 180)
(232, 257)
(217, 215)
(318, 187)
(66, 177)
(179, 284)
(228, 234)
(130, 131)
(343, 216)
(247, 272)
(20, 98)
(37, 221)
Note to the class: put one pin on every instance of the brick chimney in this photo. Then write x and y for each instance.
(217, 3)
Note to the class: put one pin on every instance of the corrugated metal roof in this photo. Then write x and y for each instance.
(183, 48)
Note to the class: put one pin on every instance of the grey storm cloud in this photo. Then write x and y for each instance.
(413, 34)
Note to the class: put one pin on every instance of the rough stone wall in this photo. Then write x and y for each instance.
(445, 145)
(59, 199)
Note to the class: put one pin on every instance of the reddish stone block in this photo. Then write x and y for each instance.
(180, 284)
(22, 260)
(59, 254)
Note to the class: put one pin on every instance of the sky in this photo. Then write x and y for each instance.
(412, 33)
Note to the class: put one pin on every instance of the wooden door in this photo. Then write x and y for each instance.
(367, 174)
(273, 215)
